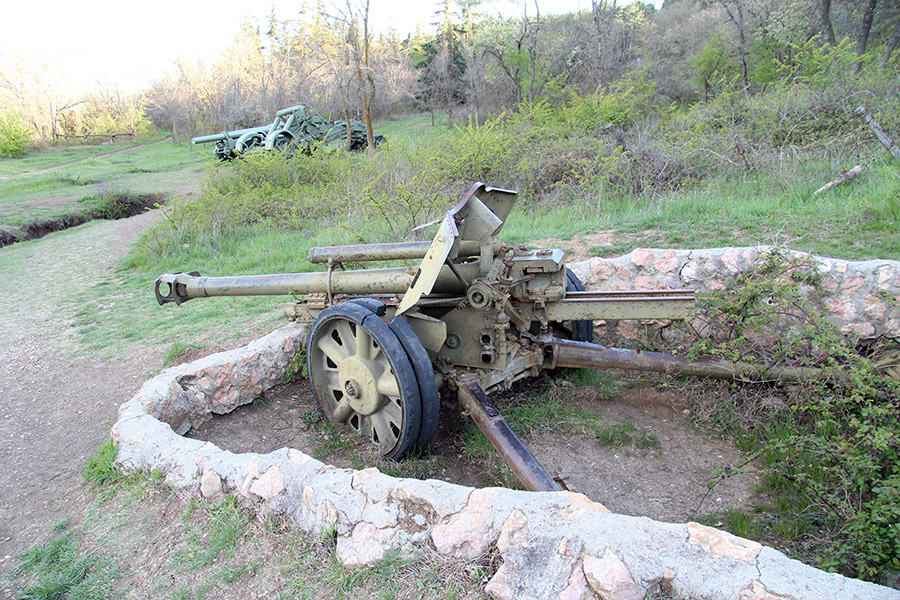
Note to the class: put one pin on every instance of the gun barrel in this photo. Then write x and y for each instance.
(290, 109)
(215, 137)
(180, 287)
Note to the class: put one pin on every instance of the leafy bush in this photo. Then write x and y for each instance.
(628, 99)
(114, 205)
(475, 152)
(714, 66)
(14, 135)
(828, 446)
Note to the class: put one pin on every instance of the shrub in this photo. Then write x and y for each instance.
(114, 205)
(829, 450)
(628, 99)
(14, 135)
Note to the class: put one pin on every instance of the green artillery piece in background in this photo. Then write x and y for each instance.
(296, 128)
(231, 143)
(473, 314)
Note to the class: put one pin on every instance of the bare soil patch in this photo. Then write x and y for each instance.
(55, 408)
(666, 481)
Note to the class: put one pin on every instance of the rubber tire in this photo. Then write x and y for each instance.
(582, 331)
(393, 350)
(428, 389)
(418, 356)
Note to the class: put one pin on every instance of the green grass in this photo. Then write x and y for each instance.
(617, 435)
(225, 526)
(412, 128)
(175, 351)
(858, 221)
(100, 469)
(46, 159)
(28, 194)
(112, 316)
(59, 569)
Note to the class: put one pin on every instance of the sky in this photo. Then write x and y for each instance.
(93, 44)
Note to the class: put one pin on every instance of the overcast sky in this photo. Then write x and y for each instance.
(91, 42)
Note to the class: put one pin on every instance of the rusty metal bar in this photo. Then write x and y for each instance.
(388, 251)
(594, 356)
(503, 438)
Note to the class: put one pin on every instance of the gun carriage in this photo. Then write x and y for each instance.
(295, 128)
(473, 314)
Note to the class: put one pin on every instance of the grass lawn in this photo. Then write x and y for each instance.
(49, 184)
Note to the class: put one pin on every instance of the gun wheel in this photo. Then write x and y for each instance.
(362, 378)
(579, 331)
(285, 144)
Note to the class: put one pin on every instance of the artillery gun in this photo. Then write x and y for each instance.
(295, 128)
(474, 315)
(229, 144)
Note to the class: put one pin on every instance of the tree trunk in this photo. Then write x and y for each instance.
(596, 9)
(737, 18)
(892, 43)
(825, 22)
(532, 50)
(369, 85)
(347, 122)
(863, 38)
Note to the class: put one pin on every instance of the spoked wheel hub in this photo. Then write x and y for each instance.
(362, 377)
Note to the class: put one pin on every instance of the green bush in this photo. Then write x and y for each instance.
(829, 453)
(714, 65)
(112, 205)
(14, 135)
(627, 100)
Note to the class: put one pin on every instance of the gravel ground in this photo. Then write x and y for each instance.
(55, 409)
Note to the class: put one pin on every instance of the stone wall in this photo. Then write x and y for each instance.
(861, 297)
(557, 545)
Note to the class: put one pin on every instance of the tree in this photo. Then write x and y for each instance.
(825, 25)
(442, 60)
(862, 38)
(713, 64)
(359, 41)
(531, 29)
(602, 13)
(735, 12)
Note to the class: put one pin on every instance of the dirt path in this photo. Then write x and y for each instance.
(54, 409)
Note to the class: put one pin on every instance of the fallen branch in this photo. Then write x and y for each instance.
(844, 177)
(883, 137)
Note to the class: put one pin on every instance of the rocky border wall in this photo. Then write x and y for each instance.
(862, 298)
(550, 545)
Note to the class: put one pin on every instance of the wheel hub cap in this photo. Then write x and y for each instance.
(358, 382)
